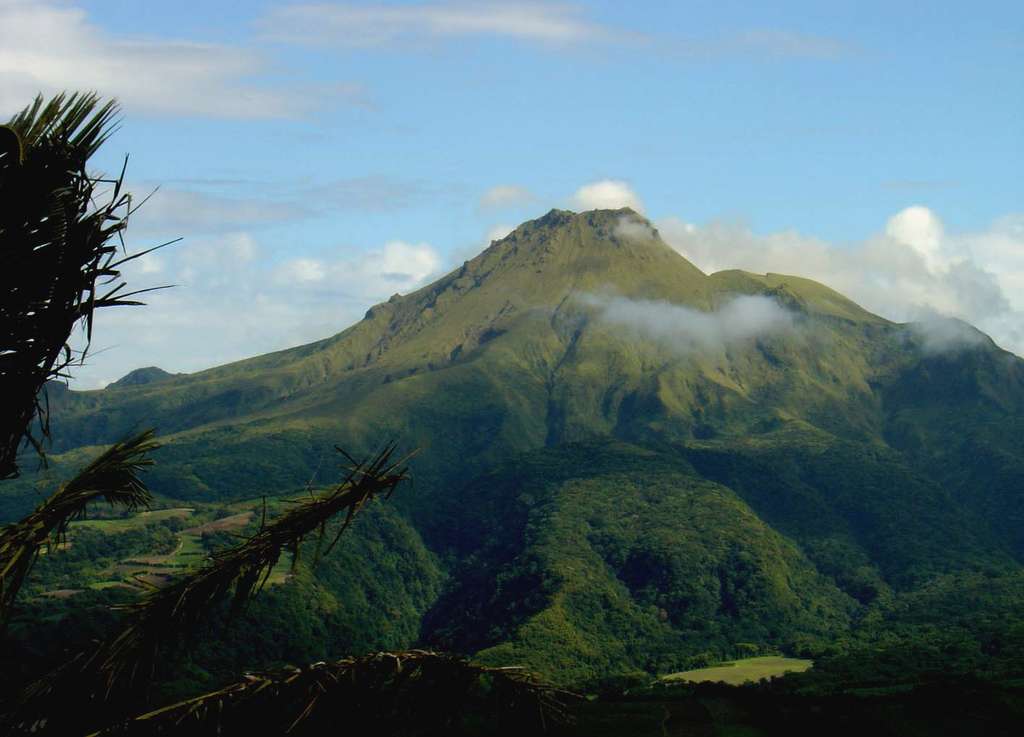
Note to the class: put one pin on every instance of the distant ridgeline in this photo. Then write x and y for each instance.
(148, 375)
(625, 465)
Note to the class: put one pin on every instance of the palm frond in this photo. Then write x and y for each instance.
(59, 232)
(112, 477)
(77, 120)
(415, 692)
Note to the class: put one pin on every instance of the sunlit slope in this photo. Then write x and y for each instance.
(504, 346)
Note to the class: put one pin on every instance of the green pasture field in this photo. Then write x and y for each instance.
(738, 672)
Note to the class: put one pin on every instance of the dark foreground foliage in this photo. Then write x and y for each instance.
(59, 232)
(960, 707)
(402, 693)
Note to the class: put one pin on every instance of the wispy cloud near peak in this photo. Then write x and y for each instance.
(607, 194)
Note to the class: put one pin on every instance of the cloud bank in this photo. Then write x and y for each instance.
(913, 269)
(689, 330)
(48, 47)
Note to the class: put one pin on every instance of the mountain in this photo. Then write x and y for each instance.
(624, 463)
(146, 375)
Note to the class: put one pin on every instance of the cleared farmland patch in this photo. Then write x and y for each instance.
(747, 670)
(135, 521)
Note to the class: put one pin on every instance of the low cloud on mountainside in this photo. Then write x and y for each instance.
(686, 329)
(634, 229)
(914, 270)
(939, 334)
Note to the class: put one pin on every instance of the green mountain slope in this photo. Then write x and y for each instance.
(591, 558)
(623, 462)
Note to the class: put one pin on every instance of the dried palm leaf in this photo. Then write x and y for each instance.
(416, 692)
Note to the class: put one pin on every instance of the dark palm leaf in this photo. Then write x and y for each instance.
(59, 229)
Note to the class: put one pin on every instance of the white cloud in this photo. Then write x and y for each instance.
(349, 24)
(50, 46)
(407, 264)
(686, 329)
(606, 194)
(150, 264)
(940, 334)
(212, 262)
(302, 271)
(371, 276)
(243, 248)
(505, 195)
(634, 229)
(913, 269)
(919, 228)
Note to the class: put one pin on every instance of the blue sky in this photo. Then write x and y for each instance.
(356, 149)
